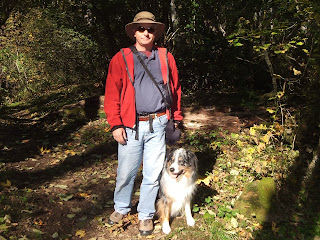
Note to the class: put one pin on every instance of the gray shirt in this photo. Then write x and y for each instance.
(147, 95)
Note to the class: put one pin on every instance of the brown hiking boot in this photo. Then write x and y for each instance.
(146, 227)
(115, 217)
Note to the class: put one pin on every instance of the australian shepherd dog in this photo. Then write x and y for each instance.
(177, 186)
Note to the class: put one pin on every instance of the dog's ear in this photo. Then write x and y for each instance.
(169, 153)
(193, 159)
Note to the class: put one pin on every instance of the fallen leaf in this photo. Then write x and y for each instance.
(137, 193)
(65, 197)
(76, 210)
(5, 184)
(257, 225)
(55, 235)
(44, 150)
(234, 223)
(26, 211)
(83, 195)
(83, 218)
(62, 186)
(37, 231)
(70, 152)
(80, 233)
(38, 222)
(252, 131)
(234, 172)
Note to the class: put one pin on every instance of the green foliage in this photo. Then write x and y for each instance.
(39, 54)
(242, 158)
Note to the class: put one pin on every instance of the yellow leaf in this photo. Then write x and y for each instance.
(5, 184)
(84, 195)
(305, 50)
(270, 110)
(249, 158)
(279, 127)
(252, 131)
(261, 147)
(71, 152)
(44, 150)
(80, 233)
(296, 72)
(239, 143)
(216, 179)
(257, 225)
(251, 150)
(266, 137)
(207, 180)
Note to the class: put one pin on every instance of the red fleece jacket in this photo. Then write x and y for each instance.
(119, 103)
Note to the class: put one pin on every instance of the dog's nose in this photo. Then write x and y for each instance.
(172, 169)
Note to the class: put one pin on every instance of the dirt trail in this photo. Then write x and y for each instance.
(65, 192)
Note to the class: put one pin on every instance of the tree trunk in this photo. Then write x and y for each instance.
(6, 6)
(269, 64)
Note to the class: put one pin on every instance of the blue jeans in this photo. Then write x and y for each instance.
(151, 149)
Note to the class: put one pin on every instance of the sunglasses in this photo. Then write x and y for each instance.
(142, 29)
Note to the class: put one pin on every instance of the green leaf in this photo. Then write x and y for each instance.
(208, 199)
(65, 197)
(300, 43)
(270, 110)
(206, 215)
(83, 218)
(37, 231)
(196, 208)
(55, 235)
(234, 135)
(238, 44)
(266, 46)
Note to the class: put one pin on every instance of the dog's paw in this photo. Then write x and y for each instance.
(191, 222)
(166, 228)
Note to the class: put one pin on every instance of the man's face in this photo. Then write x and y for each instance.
(144, 34)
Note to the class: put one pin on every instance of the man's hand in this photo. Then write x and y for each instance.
(120, 135)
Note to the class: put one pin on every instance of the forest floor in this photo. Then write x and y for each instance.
(58, 171)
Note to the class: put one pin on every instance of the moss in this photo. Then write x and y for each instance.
(256, 199)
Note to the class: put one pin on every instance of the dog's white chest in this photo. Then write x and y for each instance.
(179, 190)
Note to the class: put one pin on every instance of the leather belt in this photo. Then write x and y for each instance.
(152, 115)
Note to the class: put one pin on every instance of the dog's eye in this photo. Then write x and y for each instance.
(183, 162)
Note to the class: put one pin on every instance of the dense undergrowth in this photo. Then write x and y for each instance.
(241, 158)
(40, 52)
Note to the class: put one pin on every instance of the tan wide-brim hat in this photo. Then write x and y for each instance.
(144, 17)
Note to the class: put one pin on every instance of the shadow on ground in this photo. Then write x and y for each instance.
(295, 213)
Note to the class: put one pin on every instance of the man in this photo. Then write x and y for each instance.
(137, 114)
